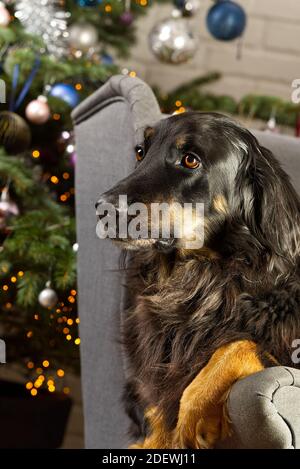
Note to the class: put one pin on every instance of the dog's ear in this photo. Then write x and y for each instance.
(268, 203)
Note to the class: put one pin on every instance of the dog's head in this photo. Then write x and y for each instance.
(209, 160)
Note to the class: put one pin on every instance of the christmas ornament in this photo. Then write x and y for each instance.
(46, 19)
(48, 297)
(171, 41)
(83, 36)
(187, 7)
(38, 111)
(15, 133)
(8, 208)
(127, 18)
(88, 3)
(226, 20)
(65, 92)
(4, 15)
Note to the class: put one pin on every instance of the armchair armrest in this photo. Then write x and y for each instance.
(264, 410)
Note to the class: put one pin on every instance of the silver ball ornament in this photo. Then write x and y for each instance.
(171, 41)
(48, 297)
(83, 36)
(38, 111)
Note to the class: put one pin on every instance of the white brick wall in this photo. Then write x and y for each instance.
(271, 51)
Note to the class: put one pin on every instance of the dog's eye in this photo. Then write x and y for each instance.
(190, 161)
(139, 153)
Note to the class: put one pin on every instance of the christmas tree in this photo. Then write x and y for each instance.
(53, 54)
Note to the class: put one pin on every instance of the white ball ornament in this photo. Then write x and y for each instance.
(48, 297)
(38, 111)
(83, 36)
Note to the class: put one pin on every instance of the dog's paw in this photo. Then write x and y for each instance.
(199, 430)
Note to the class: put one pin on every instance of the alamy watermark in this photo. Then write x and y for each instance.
(152, 222)
(295, 96)
(2, 351)
(296, 353)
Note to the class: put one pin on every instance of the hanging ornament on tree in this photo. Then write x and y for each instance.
(8, 208)
(83, 36)
(4, 15)
(65, 92)
(48, 297)
(38, 111)
(127, 17)
(226, 20)
(172, 41)
(45, 19)
(15, 133)
(187, 7)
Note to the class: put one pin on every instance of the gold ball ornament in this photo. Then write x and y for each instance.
(15, 134)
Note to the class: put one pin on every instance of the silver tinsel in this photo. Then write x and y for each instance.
(47, 19)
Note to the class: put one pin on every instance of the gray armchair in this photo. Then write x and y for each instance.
(265, 407)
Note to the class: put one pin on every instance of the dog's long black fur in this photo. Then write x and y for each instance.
(244, 283)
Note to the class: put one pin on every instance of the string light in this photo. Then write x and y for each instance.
(60, 373)
(20, 273)
(70, 322)
(29, 334)
(30, 365)
(66, 176)
(77, 341)
(71, 299)
(63, 198)
(77, 321)
(51, 388)
(8, 305)
(56, 117)
(13, 279)
(66, 390)
(68, 337)
(36, 154)
(45, 363)
(39, 371)
(66, 330)
(50, 382)
(143, 3)
(54, 179)
(132, 74)
(5, 287)
(36, 317)
(78, 86)
(108, 8)
(178, 103)
(73, 292)
(33, 392)
(29, 385)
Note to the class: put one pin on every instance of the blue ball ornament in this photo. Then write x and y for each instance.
(107, 59)
(65, 92)
(226, 20)
(88, 3)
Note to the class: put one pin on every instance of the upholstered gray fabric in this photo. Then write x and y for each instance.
(107, 126)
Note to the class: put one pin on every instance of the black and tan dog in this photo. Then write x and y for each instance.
(202, 319)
